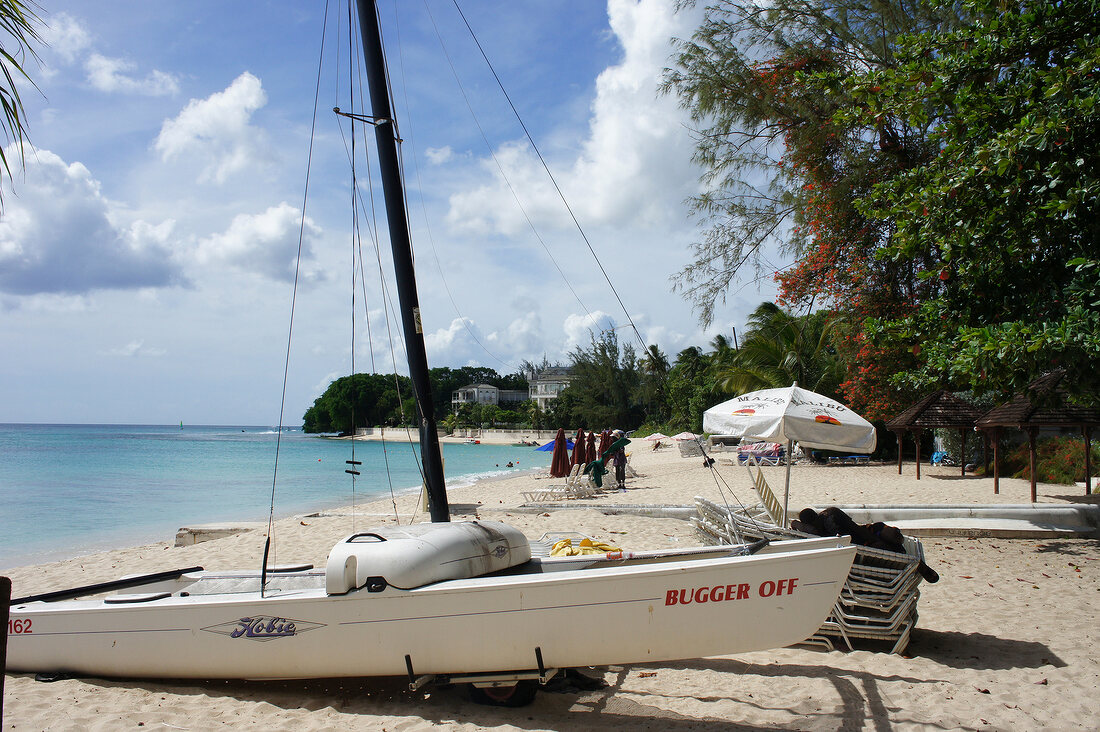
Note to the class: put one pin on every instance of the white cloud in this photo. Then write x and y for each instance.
(216, 132)
(265, 243)
(67, 42)
(463, 341)
(579, 329)
(634, 165)
(136, 348)
(454, 343)
(65, 37)
(59, 235)
(439, 155)
(110, 75)
(522, 339)
(326, 380)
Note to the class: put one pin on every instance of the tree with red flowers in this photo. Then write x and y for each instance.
(785, 165)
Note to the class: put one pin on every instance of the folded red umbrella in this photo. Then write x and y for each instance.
(559, 459)
(580, 452)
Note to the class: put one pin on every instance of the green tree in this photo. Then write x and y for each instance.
(360, 400)
(604, 384)
(786, 164)
(490, 414)
(1002, 221)
(690, 390)
(779, 167)
(530, 410)
(653, 384)
(20, 28)
(561, 411)
(781, 348)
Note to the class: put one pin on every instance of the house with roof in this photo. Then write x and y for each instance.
(485, 394)
(547, 384)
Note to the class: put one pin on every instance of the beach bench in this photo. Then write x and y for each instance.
(771, 504)
(850, 460)
(689, 448)
(879, 599)
(577, 485)
(766, 453)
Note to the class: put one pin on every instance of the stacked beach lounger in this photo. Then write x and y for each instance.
(879, 600)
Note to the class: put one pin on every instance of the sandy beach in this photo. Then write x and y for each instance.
(1005, 640)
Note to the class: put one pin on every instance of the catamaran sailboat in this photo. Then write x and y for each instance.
(473, 601)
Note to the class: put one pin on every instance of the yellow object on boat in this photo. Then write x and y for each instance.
(565, 548)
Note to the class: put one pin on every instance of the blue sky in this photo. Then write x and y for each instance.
(146, 253)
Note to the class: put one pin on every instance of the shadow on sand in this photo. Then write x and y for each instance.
(979, 650)
(860, 703)
(1070, 547)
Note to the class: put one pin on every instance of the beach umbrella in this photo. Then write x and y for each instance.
(605, 441)
(559, 461)
(579, 451)
(686, 436)
(790, 415)
(549, 446)
(590, 451)
(657, 436)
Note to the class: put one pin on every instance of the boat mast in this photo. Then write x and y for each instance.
(385, 132)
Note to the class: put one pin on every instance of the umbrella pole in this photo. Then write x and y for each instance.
(787, 482)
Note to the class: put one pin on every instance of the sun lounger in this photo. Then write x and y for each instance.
(767, 453)
(879, 599)
(577, 485)
(689, 448)
(771, 504)
(850, 460)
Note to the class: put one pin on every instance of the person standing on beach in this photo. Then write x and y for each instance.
(619, 461)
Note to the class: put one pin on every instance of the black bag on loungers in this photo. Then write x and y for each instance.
(834, 522)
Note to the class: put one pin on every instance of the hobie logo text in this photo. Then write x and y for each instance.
(264, 627)
(725, 593)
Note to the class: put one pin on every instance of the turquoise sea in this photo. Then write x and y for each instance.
(67, 490)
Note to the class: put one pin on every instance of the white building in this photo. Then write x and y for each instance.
(546, 385)
(485, 394)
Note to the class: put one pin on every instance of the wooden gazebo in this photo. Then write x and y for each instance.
(1042, 405)
(939, 410)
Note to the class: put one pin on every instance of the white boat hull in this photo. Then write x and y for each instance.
(617, 614)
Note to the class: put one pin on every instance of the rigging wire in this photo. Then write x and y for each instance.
(424, 211)
(355, 242)
(388, 308)
(499, 166)
(550, 175)
(268, 544)
(420, 399)
(387, 305)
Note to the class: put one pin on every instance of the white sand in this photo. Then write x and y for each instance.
(1006, 639)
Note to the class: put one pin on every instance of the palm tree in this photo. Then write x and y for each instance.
(781, 348)
(20, 26)
(720, 358)
(654, 384)
(690, 390)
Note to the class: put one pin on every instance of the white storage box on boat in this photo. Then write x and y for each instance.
(420, 554)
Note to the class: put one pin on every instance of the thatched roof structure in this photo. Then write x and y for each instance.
(1044, 404)
(939, 410)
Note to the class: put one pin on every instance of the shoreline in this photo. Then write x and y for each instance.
(999, 644)
(103, 539)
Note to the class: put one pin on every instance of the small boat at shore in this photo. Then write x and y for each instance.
(472, 601)
(437, 599)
